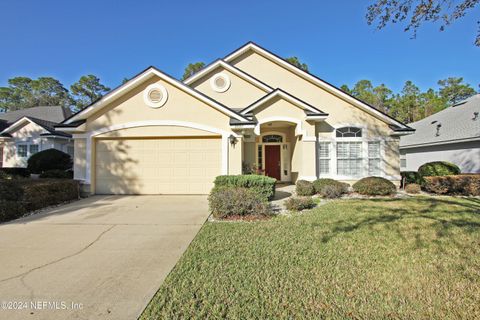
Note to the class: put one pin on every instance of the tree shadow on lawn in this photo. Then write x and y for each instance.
(446, 216)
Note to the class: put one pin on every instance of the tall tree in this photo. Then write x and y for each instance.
(416, 12)
(382, 98)
(379, 97)
(191, 69)
(296, 62)
(48, 91)
(407, 104)
(453, 90)
(87, 90)
(431, 102)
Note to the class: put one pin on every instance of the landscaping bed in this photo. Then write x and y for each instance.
(413, 258)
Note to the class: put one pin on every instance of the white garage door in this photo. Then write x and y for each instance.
(157, 166)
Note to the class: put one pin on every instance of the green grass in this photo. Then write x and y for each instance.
(415, 258)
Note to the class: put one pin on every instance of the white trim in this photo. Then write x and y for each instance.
(146, 95)
(225, 78)
(85, 113)
(284, 96)
(298, 127)
(19, 122)
(316, 118)
(309, 139)
(241, 74)
(89, 137)
(309, 77)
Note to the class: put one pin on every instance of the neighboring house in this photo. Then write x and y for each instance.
(156, 135)
(451, 135)
(28, 131)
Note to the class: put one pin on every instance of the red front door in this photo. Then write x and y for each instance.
(272, 161)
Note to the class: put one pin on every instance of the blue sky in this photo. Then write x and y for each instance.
(117, 39)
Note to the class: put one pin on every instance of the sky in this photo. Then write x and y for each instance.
(118, 39)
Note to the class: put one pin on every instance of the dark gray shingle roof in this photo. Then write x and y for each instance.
(54, 114)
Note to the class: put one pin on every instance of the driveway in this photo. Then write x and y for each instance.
(98, 258)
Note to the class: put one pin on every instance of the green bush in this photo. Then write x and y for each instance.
(57, 174)
(413, 188)
(50, 159)
(409, 177)
(263, 185)
(299, 203)
(438, 168)
(465, 184)
(18, 197)
(374, 186)
(304, 188)
(12, 173)
(330, 188)
(226, 201)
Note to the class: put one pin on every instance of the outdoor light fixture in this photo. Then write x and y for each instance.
(233, 140)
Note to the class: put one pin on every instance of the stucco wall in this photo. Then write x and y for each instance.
(80, 159)
(466, 155)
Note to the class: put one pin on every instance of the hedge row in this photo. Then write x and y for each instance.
(465, 184)
(17, 197)
(14, 172)
(227, 201)
(264, 185)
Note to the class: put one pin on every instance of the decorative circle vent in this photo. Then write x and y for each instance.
(220, 82)
(155, 95)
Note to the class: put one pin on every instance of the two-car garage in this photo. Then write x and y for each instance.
(168, 165)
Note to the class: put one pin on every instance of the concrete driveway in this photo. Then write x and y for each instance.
(98, 258)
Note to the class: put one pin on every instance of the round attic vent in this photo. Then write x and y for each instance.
(155, 95)
(220, 82)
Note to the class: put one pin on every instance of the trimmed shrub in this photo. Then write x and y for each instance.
(11, 173)
(304, 188)
(226, 201)
(334, 187)
(299, 203)
(18, 197)
(57, 174)
(263, 185)
(465, 184)
(438, 168)
(409, 177)
(413, 188)
(50, 159)
(374, 186)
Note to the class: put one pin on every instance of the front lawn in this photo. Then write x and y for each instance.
(414, 258)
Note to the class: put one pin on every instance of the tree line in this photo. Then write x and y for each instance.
(24, 92)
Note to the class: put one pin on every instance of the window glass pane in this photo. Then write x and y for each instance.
(374, 167)
(324, 166)
(260, 159)
(403, 163)
(374, 149)
(272, 138)
(349, 132)
(349, 158)
(324, 149)
(33, 148)
(22, 150)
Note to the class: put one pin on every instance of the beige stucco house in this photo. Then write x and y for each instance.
(249, 110)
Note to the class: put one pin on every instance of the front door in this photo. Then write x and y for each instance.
(272, 161)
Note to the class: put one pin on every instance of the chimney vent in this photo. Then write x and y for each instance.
(475, 116)
(438, 129)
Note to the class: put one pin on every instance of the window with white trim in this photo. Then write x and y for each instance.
(260, 157)
(22, 150)
(33, 148)
(324, 157)
(374, 159)
(349, 158)
(348, 132)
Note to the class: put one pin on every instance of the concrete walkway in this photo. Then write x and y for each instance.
(98, 258)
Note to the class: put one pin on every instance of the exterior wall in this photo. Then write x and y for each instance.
(156, 131)
(466, 155)
(79, 159)
(240, 94)
(29, 134)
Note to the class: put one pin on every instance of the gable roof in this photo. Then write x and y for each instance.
(285, 96)
(239, 73)
(49, 126)
(251, 46)
(48, 113)
(457, 123)
(147, 73)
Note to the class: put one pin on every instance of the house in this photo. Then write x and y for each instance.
(156, 135)
(451, 135)
(28, 131)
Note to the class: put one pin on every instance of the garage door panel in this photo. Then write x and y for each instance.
(157, 166)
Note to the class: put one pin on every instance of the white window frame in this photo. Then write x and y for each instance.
(28, 144)
(379, 158)
(20, 144)
(329, 158)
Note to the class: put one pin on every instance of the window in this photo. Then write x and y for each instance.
(220, 82)
(70, 150)
(260, 158)
(349, 132)
(155, 95)
(403, 161)
(22, 150)
(33, 149)
(349, 159)
(374, 158)
(324, 157)
(272, 138)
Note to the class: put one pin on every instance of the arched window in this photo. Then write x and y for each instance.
(272, 138)
(349, 132)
